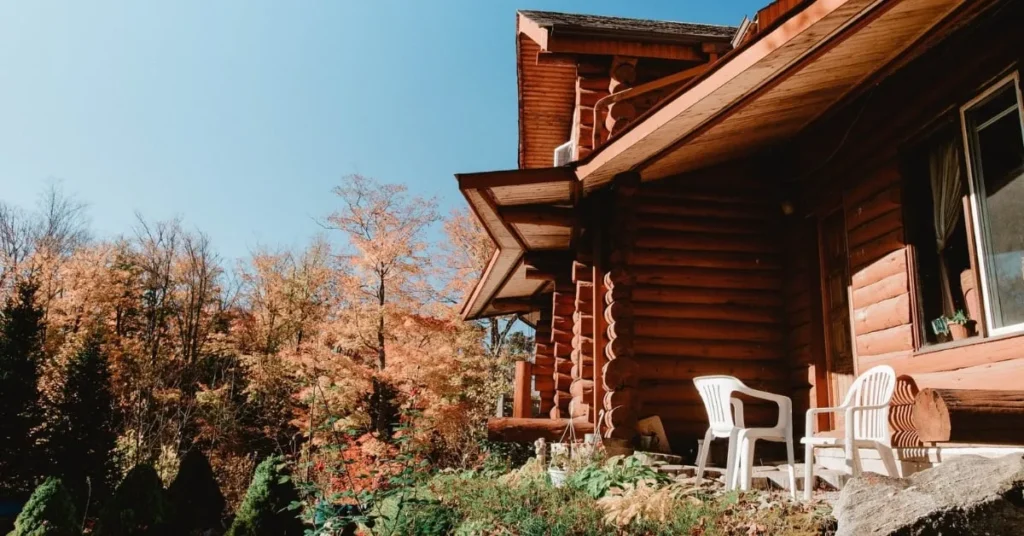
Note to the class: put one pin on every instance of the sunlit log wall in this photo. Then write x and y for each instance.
(700, 280)
(582, 388)
(544, 362)
(562, 308)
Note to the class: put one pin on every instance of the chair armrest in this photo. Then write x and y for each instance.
(784, 402)
(737, 406)
(809, 421)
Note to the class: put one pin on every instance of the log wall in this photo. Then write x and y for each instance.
(582, 388)
(544, 362)
(706, 271)
(563, 305)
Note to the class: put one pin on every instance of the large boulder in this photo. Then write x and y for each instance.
(967, 495)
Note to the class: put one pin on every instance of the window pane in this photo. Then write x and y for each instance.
(998, 166)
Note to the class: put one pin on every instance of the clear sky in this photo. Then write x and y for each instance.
(240, 115)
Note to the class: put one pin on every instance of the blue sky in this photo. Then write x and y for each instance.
(240, 115)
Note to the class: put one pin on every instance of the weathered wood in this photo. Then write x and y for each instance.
(703, 259)
(529, 430)
(889, 265)
(880, 226)
(620, 373)
(673, 368)
(544, 384)
(874, 207)
(583, 371)
(882, 315)
(704, 242)
(970, 416)
(581, 388)
(539, 215)
(887, 341)
(877, 250)
(889, 287)
(562, 382)
(700, 224)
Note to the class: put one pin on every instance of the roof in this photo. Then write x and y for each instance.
(770, 88)
(522, 211)
(627, 27)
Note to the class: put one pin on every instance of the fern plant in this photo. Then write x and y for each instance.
(597, 479)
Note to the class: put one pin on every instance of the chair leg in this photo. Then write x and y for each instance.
(748, 463)
(702, 455)
(808, 471)
(889, 459)
(730, 463)
(792, 466)
(854, 458)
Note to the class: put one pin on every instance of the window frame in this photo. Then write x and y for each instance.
(979, 224)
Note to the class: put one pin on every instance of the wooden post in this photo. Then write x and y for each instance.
(620, 372)
(970, 416)
(522, 398)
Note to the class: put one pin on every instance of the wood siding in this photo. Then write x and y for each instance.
(708, 296)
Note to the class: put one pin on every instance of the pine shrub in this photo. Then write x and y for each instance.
(49, 512)
(140, 506)
(196, 497)
(266, 509)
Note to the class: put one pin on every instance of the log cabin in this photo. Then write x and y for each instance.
(792, 201)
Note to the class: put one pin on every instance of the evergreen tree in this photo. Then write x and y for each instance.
(139, 506)
(84, 436)
(196, 496)
(21, 349)
(49, 512)
(266, 508)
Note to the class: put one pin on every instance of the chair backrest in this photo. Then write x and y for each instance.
(716, 392)
(873, 388)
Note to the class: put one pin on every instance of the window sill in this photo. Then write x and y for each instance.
(970, 341)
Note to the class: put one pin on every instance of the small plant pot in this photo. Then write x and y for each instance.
(558, 476)
(958, 331)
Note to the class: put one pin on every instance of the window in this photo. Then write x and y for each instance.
(935, 190)
(994, 141)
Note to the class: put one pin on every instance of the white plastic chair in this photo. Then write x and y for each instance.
(716, 392)
(866, 410)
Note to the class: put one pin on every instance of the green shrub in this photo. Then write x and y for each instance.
(49, 512)
(267, 507)
(597, 479)
(140, 506)
(195, 495)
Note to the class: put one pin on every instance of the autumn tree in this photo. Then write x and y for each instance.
(21, 351)
(389, 271)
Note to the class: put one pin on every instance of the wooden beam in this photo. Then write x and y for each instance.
(521, 397)
(514, 305)
(970, 416)
(514, 177)
(529, 430)
(624, 47)
(539, 215)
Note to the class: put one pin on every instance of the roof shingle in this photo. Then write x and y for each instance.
(621, 25)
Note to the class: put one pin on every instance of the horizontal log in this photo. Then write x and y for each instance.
(699, 259)
(867, 189)
(876, 250)
(579, 356)
(621, 397)
(583, 372)
(645, 311)
(671, 368)
(882, 315)
(873, 229)
(758, 415)
(536, 274)
(563, 350)
(970, 416)
(561, 399)
(544, 384)
(545, 370)
(704, 242)
(897, 339)
(707, 349)
(621, 417)
(583, 328)
(891, 264)
(545, 405)
(579, 409)
(708, 278)
(659, 393)
(882, 202)
(563, 366)
(562, 382)
(888, 288)
(705, 208)
(706, 296)
(716, 226)
(582, 388)
(620, 373)
(530, 430)
(724, 330)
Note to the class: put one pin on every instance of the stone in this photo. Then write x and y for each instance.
(966, 495)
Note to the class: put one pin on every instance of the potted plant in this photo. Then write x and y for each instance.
(960, 326)
(559, 468)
